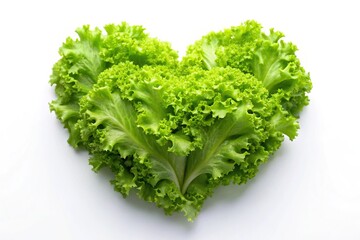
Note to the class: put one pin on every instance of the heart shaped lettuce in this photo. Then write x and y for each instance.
(174, 130)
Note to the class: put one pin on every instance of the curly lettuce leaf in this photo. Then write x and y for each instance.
(130, 43)
(170, 130)
(266, 56)
(153, 159)
(83, 59)
(73, 76)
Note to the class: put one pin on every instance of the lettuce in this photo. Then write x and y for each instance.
(175, 130)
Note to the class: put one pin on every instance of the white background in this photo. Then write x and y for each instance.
(310, 189)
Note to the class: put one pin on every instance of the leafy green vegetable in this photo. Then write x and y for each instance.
(174, 130)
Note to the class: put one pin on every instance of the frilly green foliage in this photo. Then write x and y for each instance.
(174, 130)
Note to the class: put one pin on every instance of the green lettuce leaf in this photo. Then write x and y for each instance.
(266, 56)
(172, 131)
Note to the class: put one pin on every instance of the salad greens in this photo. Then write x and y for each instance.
(173, 130)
